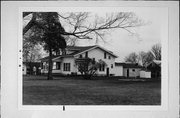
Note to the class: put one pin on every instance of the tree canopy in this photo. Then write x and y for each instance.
(144, 58)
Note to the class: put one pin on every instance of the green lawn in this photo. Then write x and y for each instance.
(74, 91)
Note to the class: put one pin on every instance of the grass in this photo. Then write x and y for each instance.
(75, 91)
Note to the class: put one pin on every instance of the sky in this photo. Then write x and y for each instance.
(121, 43)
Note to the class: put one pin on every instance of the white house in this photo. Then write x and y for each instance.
(65, 63)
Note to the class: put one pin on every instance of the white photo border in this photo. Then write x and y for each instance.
(11, 85)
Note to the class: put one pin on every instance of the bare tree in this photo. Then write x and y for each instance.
(145, 58)
(81, 26)
(132, 58)
(156, 51)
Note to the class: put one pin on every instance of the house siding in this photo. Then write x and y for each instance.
(145, 74)
(132, 73)
(70, 60)
(118, 70)
(99, 54)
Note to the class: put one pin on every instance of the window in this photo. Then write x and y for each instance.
(58, 65)
(80, 56)
(66, 66)
(86, 55)
(111, 65)
(54, 65)
(133, 70)
(109, 57)
(101, 68)
(104, 55)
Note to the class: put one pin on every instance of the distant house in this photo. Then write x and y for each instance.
(65, 63)
(128, 69)
(155, 68)
(28, 68)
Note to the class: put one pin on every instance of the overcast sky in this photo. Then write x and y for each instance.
(121, 43)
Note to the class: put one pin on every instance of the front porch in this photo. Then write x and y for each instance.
(57, 63)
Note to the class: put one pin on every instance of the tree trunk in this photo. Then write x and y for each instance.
(30, 24)
(50, 77)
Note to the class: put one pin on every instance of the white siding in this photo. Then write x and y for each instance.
(99, 54)
(118, 70)
(53, 71)
(144, 74)
(72, 65)
(132, 73)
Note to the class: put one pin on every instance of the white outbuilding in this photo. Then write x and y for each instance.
(145, 74)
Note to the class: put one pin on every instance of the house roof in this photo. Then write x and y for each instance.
(128, 65)
(78, 50)
(154, 63)
(55, 57)
(158, 62)
(47, 58)
(81, 49)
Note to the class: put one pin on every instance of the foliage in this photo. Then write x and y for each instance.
(32, 53)
(132, 58)
(156, 51)
(32, 45)
(88, 67)
(144, 58)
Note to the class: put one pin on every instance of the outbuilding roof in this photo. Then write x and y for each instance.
(154, 63)
(128, 65)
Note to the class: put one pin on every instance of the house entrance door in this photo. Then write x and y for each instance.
(107, 71)
(127, 72)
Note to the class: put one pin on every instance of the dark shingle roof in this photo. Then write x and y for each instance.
(128, 65)
(154, 63)
(77, 50)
